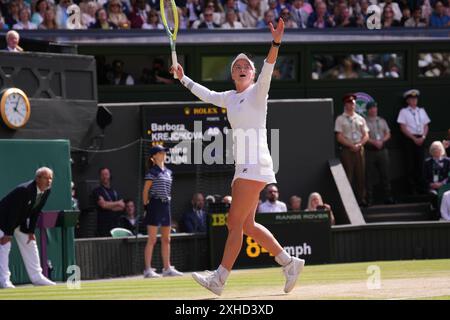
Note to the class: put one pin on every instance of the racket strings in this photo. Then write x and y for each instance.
(170, 15)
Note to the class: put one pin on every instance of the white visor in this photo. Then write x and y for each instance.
(241, 56)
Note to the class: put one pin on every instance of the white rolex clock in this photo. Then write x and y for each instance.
(14, 108)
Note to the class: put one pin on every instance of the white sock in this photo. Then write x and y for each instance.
(283, 258)
(223, 273)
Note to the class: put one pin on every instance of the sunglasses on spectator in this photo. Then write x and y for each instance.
(208, 15)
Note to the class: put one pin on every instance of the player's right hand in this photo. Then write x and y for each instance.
(5, 239)
(179, 71)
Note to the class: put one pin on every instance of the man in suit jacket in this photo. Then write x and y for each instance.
(195, 219)
(208, 23)
(19, 211)
(12, 42)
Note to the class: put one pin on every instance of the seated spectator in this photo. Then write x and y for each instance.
(208, 22)
(109, 204)
(182, 18)
(24, 21)
(74, 200)
(231, 21)
(427, 10)
(253, 13)
(12, 17)
(269, 17)
(116, 15)
(129, 221)
(3, 25)
(101, 21)
(320, 19)
(119, 77)
(12, 41)
(396, 12)
(387, 18)
(315, 203)
(227, 199)
(39, 12)
(194, 10)
(437, 167)
(272, 204)
(362, 14)
(49, 22)
(139, 15)
(61, 13)
(289, 23)
(445, 206)
(157, 75)
(345, 19)
(194, 220)
(218, 12)
(88, 15)
(153, 21)
(299, 13)
(416, 20)
(273, 7)
(406, 14)
(439, 17)
(295, 203)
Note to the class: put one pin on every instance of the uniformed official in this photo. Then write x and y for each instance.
(414, 126)
(377, 155)
(352, 133)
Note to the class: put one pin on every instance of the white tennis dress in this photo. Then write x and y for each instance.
(247, 113)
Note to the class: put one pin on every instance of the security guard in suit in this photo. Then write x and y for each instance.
(413, 122)
(19, 211)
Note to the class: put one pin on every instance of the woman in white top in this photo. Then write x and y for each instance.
(24, 23)
(246, 111)
(152, 21)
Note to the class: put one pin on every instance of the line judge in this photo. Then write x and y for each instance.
(19, 211)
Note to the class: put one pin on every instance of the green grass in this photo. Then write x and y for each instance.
(259, 280)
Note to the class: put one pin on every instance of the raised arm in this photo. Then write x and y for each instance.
(277, 35)
(203, 93)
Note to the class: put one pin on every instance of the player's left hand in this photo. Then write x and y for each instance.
(277, 33)
(31, 237)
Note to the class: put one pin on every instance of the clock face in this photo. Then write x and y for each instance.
(15, 108)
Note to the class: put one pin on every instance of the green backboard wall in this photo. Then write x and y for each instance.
(19, 159)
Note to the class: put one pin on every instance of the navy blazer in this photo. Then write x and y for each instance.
(191, 222)
(16, 208)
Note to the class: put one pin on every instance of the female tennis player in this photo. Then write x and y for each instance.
(246, 110)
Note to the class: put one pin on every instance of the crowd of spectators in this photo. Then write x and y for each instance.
(223, 14)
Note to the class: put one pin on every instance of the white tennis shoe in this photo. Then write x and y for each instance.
(7, 285)
(150, 273)
(44, 282)
(171, 272)
(291, 272)
(210, 281)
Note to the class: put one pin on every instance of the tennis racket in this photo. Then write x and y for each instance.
(169, 17)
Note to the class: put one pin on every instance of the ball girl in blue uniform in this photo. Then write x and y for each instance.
(156, 198)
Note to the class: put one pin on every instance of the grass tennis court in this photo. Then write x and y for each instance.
(421, 279)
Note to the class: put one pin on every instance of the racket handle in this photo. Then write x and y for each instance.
(174, 64)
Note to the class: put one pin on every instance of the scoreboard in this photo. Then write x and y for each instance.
(196, 134)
